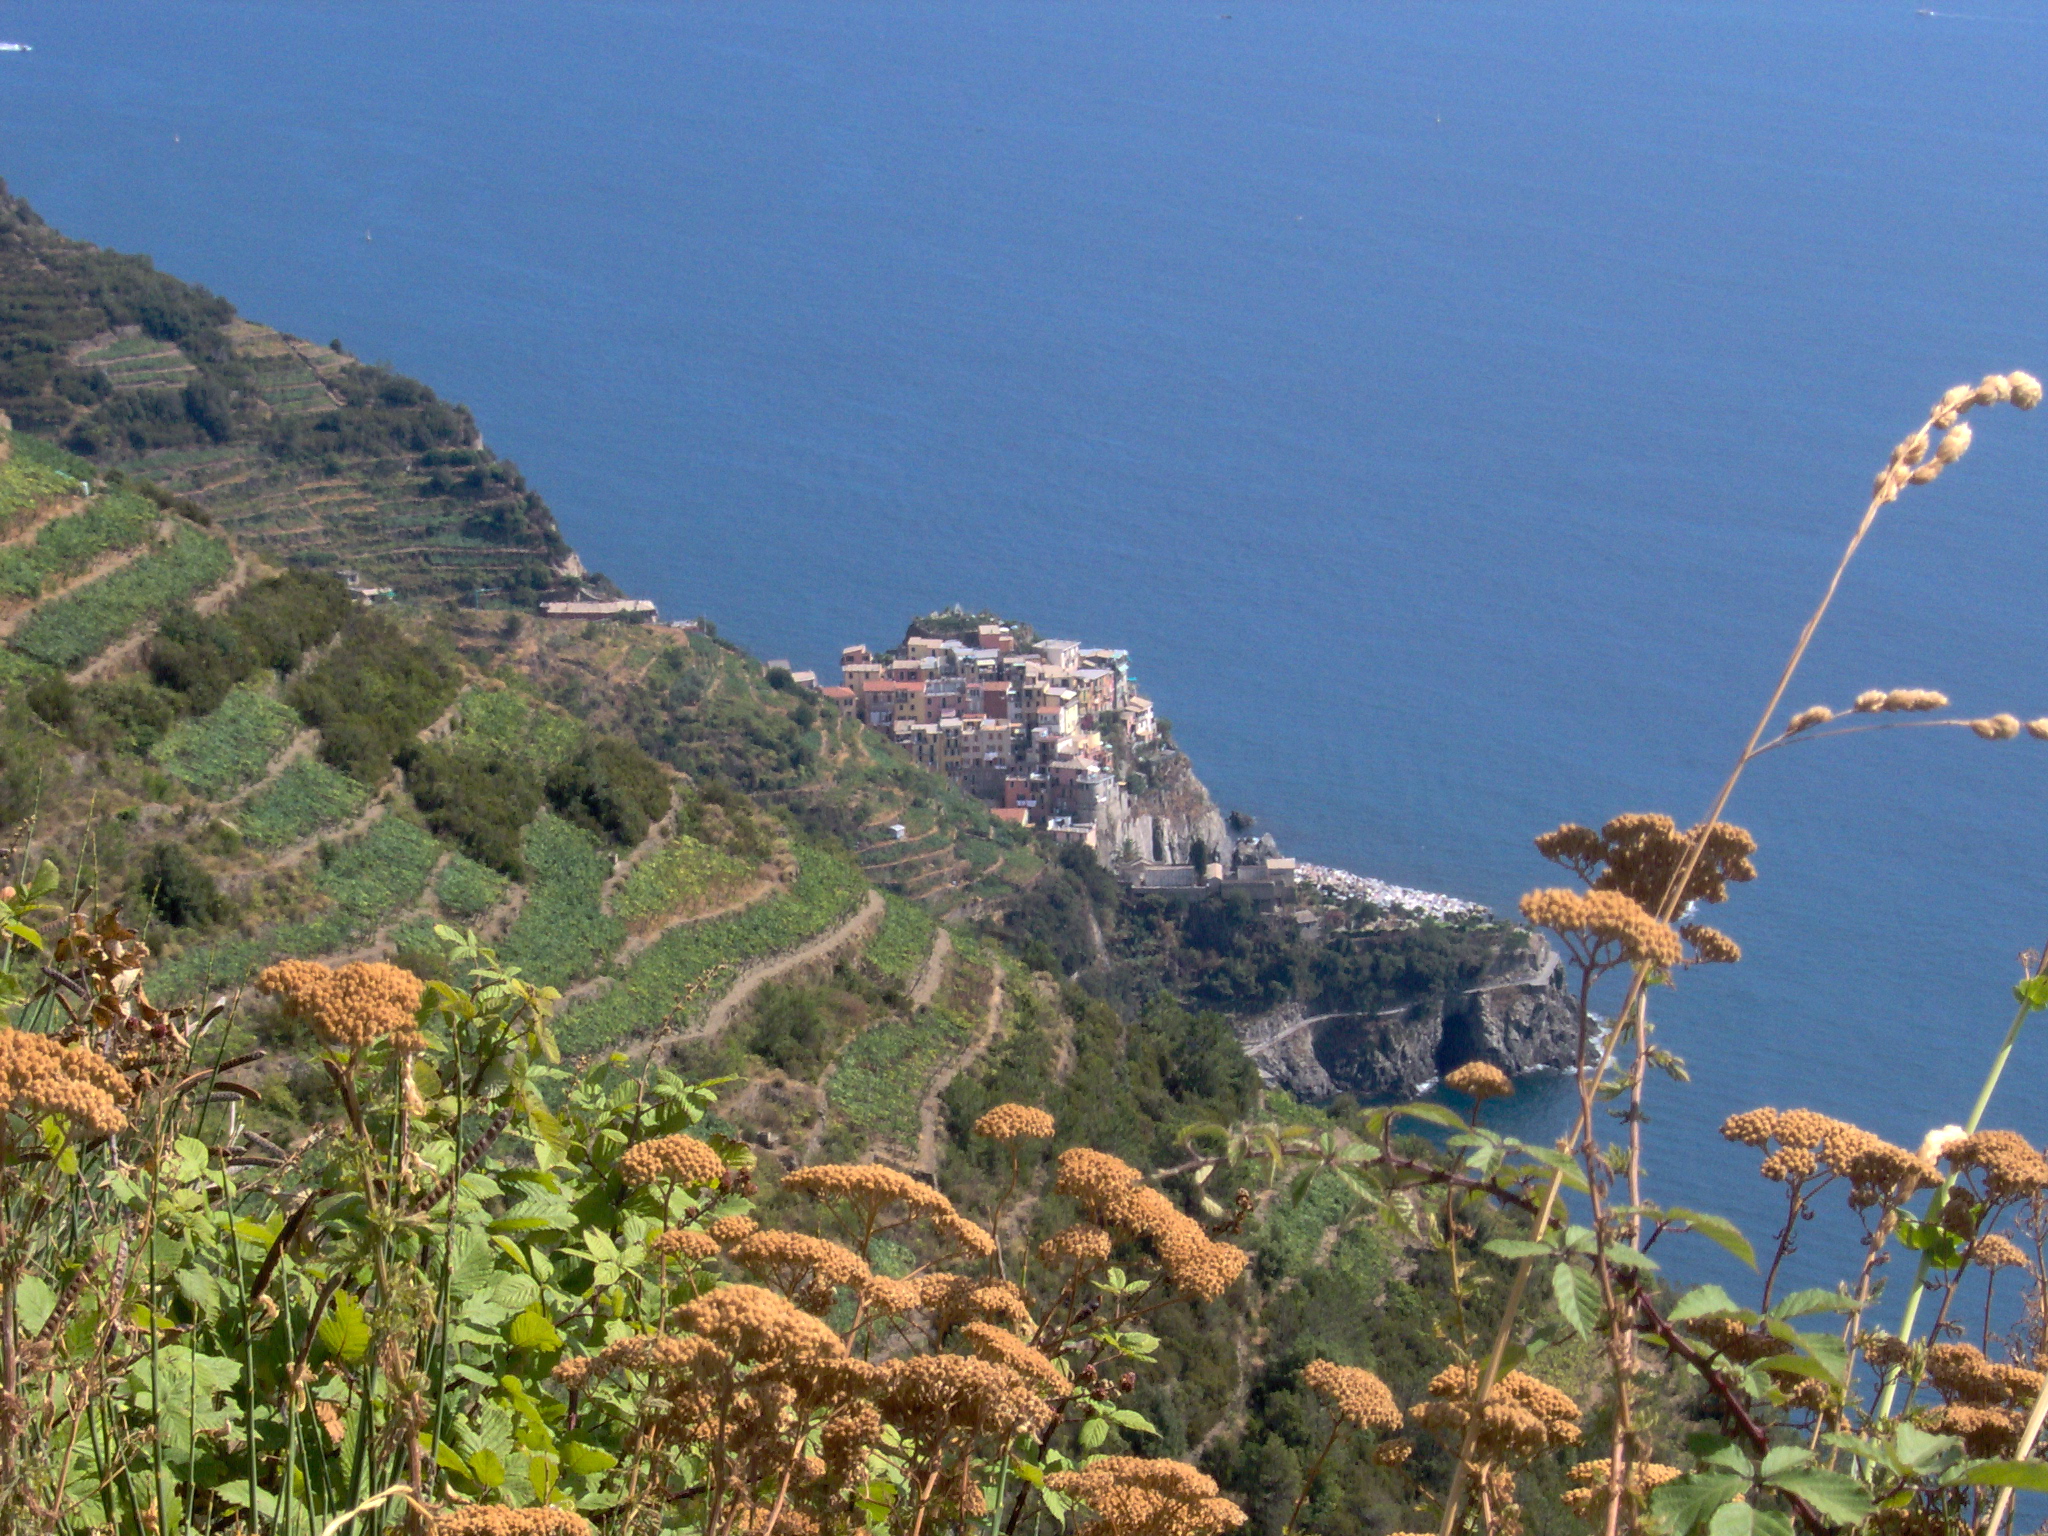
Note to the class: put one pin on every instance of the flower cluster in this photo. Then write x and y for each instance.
(674, 1159)
(1115, 1196)
(868, 1187)
(1480, 1080)
(1131, 1496)
(40, 1077)
(1807, 1141)
(1521, 1417)
(1014, 1122)
(1591, 1480)
(1605, 917)
(1081, 1246)
(497, 1520)
(351, 1006)
(2011, 1167)
(683, 1243)
(1356, 1396)
(1911, 463)
(808, 1270)
(1640, 854)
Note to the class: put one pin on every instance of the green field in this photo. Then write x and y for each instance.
(36, 472)
(469, 889)
(684, 874)
(899, 948)
(563, 933)
(367, 882)
(687, 967)
(304, 798)
(507, 721)
(228, 750)
(884, 1071)
(69, 545)
(78, 626)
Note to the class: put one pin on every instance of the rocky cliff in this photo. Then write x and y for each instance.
(1520, 1020)
(1163, 822)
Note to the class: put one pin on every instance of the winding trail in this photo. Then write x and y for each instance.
(856, 926)
(929, 1107)
(934, 971)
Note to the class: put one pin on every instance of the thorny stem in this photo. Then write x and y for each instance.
(1308, 1481)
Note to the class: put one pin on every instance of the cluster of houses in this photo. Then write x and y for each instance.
(1038, 732)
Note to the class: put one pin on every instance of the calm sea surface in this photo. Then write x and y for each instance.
(1454, 407)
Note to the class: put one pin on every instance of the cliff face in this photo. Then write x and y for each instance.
(1519, 1020)
(1164, 821)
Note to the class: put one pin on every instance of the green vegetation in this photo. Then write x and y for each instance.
(67, 546)
(469, 889)
(508, 722)
(562, 933)
(479, 800)
(684, 875)
(33, 473)
(687, 966)
(366, 883)
(305, 797)
(267, 626)
(899, 948)
(612, 788)
(76, 627)
(178, 889)
(228, 750)
(884, 1072)
(372, 694)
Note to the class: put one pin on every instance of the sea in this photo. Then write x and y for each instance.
(1455, 406)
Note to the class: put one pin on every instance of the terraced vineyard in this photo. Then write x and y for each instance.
(683, 877)
(307, 797)
(899, 947)
(508, 721)
(563, 933)
(33, 474)
(68, 546)
(469, 889)
(71, 630)
(228, 750)
(689, 966)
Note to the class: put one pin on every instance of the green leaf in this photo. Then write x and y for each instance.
(1130, 1418)
(1804, 1303)
(200, 1289)
(2033, 992)
(586, 1460)
(1682, 1504)
(1518, 1248)
(34, 1301)
(2030, 1475)
(487, 1467)
(1834, 1495)
(344, 1329)
(449, 1459)
(1578, 1298)
(1701, 1301)
(1782, 1458)
(1716, 1229)
(1093, 1432)
(532, 1330)
(1918, 1451)
(1436, 1114)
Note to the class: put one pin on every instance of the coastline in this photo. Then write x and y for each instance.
(1349, 886)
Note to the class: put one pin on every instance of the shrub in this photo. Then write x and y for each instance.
(612, 788)
(178, 889)
(480, 800)
(372, 694)
(268, 625)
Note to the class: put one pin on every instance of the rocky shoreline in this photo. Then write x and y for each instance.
(1347, 886)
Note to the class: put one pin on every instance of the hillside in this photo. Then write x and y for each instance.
(200, 725)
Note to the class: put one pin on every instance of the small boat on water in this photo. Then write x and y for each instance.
(15, 48)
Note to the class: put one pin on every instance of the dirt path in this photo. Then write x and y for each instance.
(300, 746)
(858, 926)
(928, 1109)
(292, 853)
(934, 971)
(44, 512)
(118, 657)
(636, 942)
(105, 565)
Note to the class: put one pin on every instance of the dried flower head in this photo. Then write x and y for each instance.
(728, 1230)
(2038, 728)
(1807, 719)
(1790, 1165)
(677, 1159)
(1963, 1374)
(1014, 1122)
(1005, 1348)
(1913, 701)
(1992, 1251)
(1522, 1416)
(1997, 727)
(1081, 1247)
(497, 1520)
(2025, 390)
(1985, 1432)
(1640, 855)
(1093, 1178)
(868, 1187)
(879, 1293)
(1133, 1496)
(2009, 1163)
(40, 1077)
(1710, 946)
(1935, 1144)
(1605, 917)
(748, 1323)
(1753, 1127)
(351, 1005)
(806, 1269)
(1869, 701)
(1356, 1396)
(1480, 1080)
(965, 1235)
(1592, 1479)
(683, 1243)
(961, 1392)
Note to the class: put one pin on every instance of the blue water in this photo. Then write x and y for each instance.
(1455, 408)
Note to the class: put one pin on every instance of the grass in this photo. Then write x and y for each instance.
(686, 875)
(228, 750)
(563, 933)
(366, 882)
(899, 948)
(304, 798)
(510, 722)
(469, 889)
(687, 967)
(885, 1070)
(36, 472)
(78, 626)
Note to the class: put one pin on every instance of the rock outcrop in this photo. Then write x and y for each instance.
(1519, 1020)
(1163, 822)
